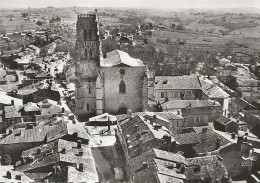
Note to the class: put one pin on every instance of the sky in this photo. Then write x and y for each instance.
(132, 3)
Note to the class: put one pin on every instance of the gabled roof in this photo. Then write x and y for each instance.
(6, 99)
(37, 134)
(50, 154)
(182, 104)
(29, 107)
(204, 142)
(68, 128)
(118, 57)
(165, 115)
(177, 82)
(158, 168)
(12, 112)
(138, 125)
(243, 104)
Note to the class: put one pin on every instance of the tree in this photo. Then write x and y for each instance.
(109, 45)
(230, 81)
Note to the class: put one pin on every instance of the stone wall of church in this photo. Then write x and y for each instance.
(133, 96)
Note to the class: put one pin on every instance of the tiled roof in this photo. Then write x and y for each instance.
(204, 142)
(211, 90)
(12, 112)
(31, 107)
(162, 165)
(130, 129)
(51, 153)
(182, 104)
(243, 104)
(6, 99)
(223, 120)
(177, 82)
(9, 87)
(187, 138)
(210, 167)
(166, 115)
(118, 57)
(43, 75)
(67, 128)
(37, 134)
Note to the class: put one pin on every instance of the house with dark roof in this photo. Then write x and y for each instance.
(59, 160)
(158, 166)
(192, 87)
(69, 130)
(238, 156)
(199, 143)
(137, 135)
(227, 124)
(194, 112)
(176, 88)
(206, 169)
(22, 139)
(240, 104)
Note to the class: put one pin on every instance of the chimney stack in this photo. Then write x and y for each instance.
(233, 135)
(218, 142)
(79, 144)
(152, 120)
(8, 175)
(54, 170)
(22, 160)
(80, 167)
(140, 144)
(129, 114)
(145, 165)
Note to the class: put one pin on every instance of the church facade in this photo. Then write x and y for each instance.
(112, 84)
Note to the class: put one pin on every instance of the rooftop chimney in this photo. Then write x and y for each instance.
(233, 135)
(54, 170)
(63, 150)
(152, 120)
(18, 177)
(80, 167)
(129, 114)
(140, 143)
(39, 151)
(79, 144)
(145, 165)
(8, 175)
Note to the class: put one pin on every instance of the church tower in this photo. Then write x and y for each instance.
(87, 65)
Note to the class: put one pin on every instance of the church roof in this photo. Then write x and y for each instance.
(118, 57)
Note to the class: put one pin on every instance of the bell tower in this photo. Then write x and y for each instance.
(88, 42)
(87, 65)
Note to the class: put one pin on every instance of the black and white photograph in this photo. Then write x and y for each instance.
(130, 91)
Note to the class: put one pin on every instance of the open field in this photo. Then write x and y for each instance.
(16, 25)
(248, 32)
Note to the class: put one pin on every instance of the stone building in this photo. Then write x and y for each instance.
(112, 84)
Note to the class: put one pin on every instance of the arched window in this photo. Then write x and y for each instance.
(122, 87)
